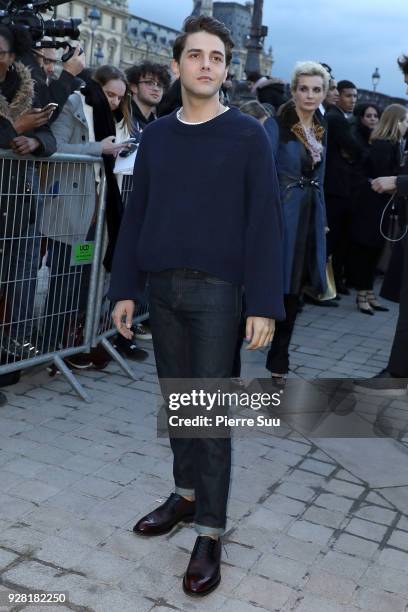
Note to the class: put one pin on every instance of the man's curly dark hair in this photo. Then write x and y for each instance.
(157, 71)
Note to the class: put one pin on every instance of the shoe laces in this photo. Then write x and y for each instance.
(173, 500)
(203, 544)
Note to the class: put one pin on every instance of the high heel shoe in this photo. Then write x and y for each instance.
(278, 381)
(374, 303)
(363, 305)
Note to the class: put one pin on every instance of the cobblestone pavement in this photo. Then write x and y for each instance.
(314, 525)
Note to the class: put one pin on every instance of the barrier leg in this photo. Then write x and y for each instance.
(63, 368)
(118, 358)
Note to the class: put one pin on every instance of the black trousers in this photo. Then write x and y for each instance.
(364, 260)
(65, 300)
(194, 321)
(278, 356)
(398, 362)
(339, 217)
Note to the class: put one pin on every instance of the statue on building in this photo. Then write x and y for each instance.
(202, 7)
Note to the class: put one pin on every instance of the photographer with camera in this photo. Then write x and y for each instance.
(41, 34)
(59, 89)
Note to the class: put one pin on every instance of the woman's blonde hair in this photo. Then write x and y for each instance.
(310, 68)
(388, 126)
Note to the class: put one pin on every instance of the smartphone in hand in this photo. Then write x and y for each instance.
(51, 107)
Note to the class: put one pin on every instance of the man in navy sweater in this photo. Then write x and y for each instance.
(203, 224)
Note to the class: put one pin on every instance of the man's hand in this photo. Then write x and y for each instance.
(122, 316)
(31, 119)
(384, 184)
(22, 145)
(259, 332)
(76, 63)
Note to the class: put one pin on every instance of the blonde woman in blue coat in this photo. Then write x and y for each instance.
(298, 141)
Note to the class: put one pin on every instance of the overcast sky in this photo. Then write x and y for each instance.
(352, 36)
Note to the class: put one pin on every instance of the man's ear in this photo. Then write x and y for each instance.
(175, 68)
(225, 74)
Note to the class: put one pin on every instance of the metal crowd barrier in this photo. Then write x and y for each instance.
(49, 216)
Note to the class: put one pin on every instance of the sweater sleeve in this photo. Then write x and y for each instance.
(263, 271)
(127, 280)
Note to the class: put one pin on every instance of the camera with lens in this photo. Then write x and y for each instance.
(27, 15)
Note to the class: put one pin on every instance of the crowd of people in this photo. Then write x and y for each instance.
(327, 148)
(233, 213)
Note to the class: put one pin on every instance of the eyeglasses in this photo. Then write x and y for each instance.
(150, 83)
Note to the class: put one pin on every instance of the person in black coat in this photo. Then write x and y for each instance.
(393, 379)
(384, 158)
(365, 120)
(24, 130)
(397, 366)
(23, 127)
(342, 152)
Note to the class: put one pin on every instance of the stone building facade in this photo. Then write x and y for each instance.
(202, 7)
(108, 36)
(123, 39)
(237, 17)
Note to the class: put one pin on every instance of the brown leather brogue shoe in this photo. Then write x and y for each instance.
(203, 573)
(176, 509)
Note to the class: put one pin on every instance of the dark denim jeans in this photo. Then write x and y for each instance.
(195, 320)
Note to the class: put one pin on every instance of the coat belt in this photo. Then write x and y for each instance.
(303, 182)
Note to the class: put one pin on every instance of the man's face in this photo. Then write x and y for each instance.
(406, 82)
(148, 91)
(49, 59)
(347, 99)
(202, 68)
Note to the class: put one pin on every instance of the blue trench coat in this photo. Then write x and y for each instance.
(303, 206)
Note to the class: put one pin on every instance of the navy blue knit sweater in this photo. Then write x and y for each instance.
(204, 197)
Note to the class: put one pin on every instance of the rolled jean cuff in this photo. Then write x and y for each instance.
(209, 531)
(184, 492)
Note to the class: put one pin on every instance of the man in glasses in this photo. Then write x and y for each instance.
(148, 82)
